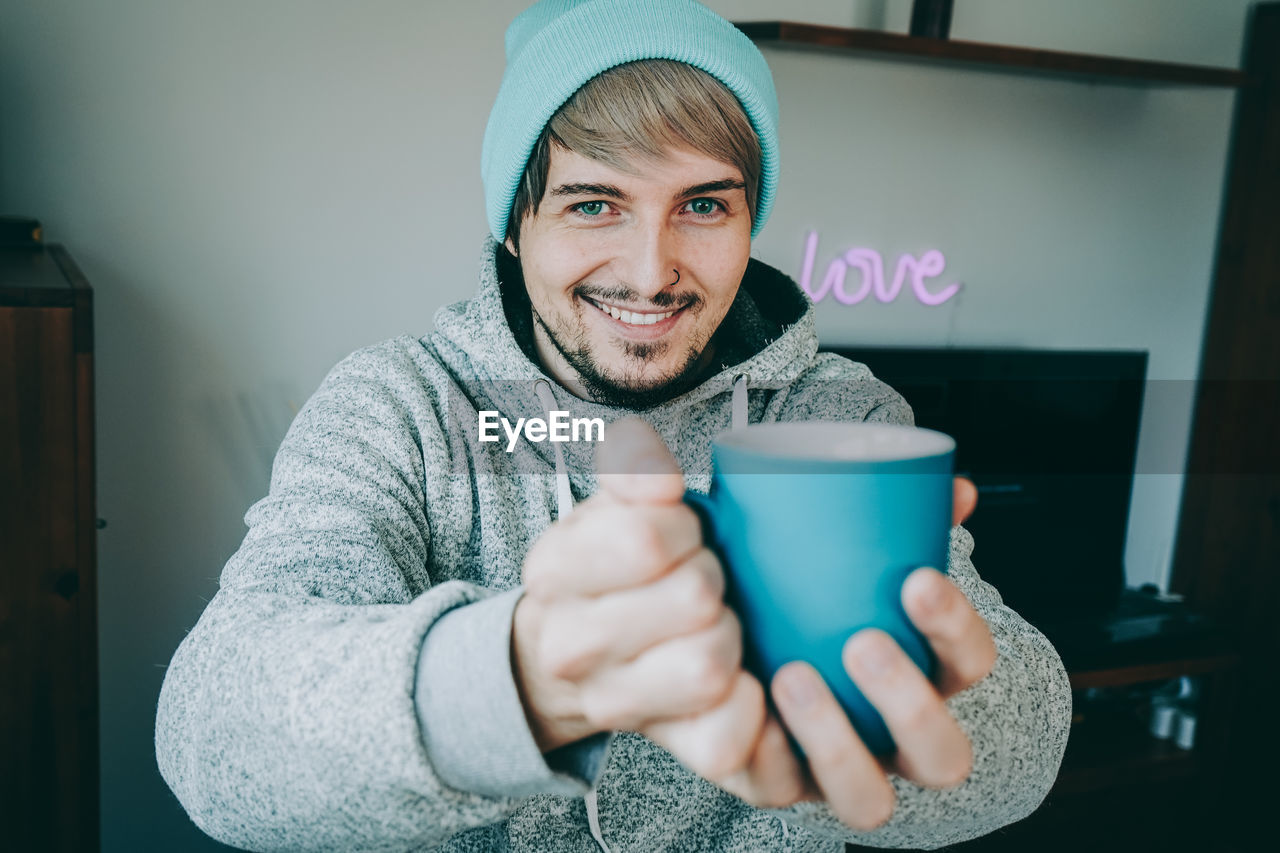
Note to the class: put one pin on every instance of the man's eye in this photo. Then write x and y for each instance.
(582, 207)
(709, 208)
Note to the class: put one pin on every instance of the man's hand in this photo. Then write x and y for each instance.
(623, 619)
(932, 750)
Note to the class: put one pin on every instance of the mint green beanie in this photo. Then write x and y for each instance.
(556, 46)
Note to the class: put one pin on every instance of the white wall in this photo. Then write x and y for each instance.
(255, 189)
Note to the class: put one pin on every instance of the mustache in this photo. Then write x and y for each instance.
(664, 299)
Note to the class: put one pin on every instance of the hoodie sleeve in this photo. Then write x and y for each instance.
(478, 736)
(1017, 718)
(287, 718)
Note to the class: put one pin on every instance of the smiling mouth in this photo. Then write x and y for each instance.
(635, 318)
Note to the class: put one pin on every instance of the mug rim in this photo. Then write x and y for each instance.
(816, 434)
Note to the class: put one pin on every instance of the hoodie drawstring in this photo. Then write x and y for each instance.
(564, 506)
(564, 497)
(740, 418)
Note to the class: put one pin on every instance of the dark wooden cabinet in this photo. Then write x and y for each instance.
(48, 526)
(1119, 788)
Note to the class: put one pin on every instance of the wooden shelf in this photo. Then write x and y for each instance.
(1111, 747)
(1116, 753)
(1155, 671)
(1079, 67)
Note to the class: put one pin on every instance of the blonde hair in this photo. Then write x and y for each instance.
(635, 112)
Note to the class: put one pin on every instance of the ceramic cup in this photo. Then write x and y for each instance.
(817, 524)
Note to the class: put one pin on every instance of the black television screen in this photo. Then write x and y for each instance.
(1050, 439)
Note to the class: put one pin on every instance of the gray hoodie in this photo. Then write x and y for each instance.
(349, 686)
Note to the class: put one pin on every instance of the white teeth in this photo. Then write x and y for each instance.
(631, 318)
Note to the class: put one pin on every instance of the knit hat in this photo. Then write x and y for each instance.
(556, 46)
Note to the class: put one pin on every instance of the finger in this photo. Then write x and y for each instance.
(610, 546)
(932, 749)
(635, 466)
(958, 634)
(717, 743)
(964, 500)
(615, 627)
(773, 779)
(682, 676)
(845, 771)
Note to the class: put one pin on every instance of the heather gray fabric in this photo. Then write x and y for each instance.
(349, 686)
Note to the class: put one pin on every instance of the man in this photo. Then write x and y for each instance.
(432, 641)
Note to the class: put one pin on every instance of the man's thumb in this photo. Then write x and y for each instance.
(635, 466)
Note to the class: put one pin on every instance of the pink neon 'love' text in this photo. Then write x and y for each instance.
(869, 263)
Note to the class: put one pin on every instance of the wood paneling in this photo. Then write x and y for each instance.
(1227, 559)
(48, 618)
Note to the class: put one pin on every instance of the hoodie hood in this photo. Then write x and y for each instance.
(485, 342)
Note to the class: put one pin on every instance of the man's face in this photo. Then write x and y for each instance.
(607, 243)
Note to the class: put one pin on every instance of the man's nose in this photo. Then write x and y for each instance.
(653, 260)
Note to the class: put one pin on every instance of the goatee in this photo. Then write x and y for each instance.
(621, 392)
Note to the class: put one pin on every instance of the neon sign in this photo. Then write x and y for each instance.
(871, 266)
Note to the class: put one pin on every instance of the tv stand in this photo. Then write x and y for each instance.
(1120, 788)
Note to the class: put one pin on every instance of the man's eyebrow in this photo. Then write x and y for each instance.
(589, 189)
(713, 187)
(611, 191)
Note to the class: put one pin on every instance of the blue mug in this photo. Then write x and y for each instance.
(818, 524)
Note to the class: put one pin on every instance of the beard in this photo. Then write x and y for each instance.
(620, 390)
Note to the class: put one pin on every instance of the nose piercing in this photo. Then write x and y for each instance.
(677, 281)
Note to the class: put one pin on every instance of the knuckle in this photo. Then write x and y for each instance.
(534, 571)
(642, 540)
(567, 665)
(727, 639)
(731, 640)
(710, 676)
(702, 590)
(565, 660)
(839, 754)
(750, 692)
(689, 525)
(730, 631)
(949, 599)
(712, 571)
(603, 712)
(917, 716)
(956, 618)
(711, 681)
